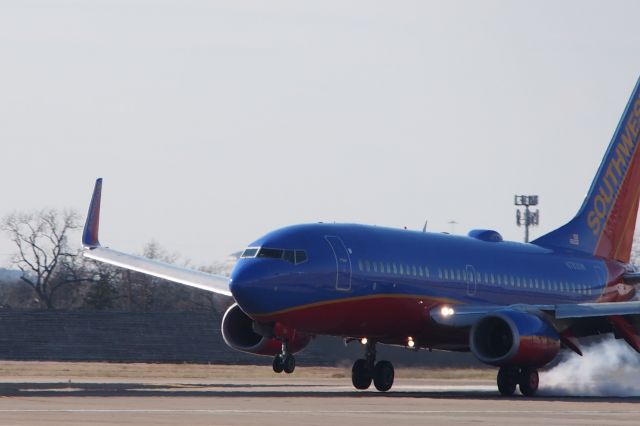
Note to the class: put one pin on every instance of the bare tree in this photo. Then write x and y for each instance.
(103, 293)
(43, 254)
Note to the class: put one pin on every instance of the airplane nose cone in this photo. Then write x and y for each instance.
(254, 284)
(240, 283)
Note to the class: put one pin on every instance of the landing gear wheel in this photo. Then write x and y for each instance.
(529, 381)
(507, 380)
(383, 375)
(289, 363)
(361, 375)
(278, 365)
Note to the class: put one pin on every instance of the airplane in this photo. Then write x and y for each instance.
(513, 305)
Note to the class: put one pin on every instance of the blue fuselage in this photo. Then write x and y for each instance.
(360, 280)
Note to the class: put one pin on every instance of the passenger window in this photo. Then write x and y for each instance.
(458, 275)
(360, 265)
(420, 271)
(382, 267)
(426, 272)
(446, 274)
(401, 269)
(395, 268)
(413, 269)
(375, 267)
(367, 265)
(439, 273)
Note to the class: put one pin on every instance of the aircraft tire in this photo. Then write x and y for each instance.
(507, 380)
(529, 381)
(289, 363)
(361, 375)
(383, 376)
(278, 365)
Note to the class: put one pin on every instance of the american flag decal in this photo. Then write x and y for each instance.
(574, 240)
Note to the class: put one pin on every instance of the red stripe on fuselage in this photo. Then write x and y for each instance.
(388, 318)
(615, 290)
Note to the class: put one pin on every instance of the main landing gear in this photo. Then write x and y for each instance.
(366, 370)
(510, 377)
(284, 361)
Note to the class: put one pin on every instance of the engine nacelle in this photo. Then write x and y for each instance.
(239, 333)
(515, 338)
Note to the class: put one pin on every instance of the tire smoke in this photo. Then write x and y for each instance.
(607, 368)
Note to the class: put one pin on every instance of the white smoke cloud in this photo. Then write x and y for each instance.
(608, 368)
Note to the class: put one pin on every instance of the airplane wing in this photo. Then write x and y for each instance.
(215, 283)
(467, 315)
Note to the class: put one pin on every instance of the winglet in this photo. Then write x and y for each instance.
(92, 225)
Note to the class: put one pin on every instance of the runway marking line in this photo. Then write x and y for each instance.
(319, 412)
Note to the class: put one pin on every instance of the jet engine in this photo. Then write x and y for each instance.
(514, 338)
(241, 333)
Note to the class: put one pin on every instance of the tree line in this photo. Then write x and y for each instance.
(54, 274)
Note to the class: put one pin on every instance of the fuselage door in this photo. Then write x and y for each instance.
(343, 262)
(470, 277)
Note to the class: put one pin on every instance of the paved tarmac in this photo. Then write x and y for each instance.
(287, 400)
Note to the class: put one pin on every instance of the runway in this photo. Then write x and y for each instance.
(282, 400)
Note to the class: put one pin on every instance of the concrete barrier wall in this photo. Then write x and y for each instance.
(166, 337)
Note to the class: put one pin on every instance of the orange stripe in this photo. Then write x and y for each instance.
(358, 299)
(631, 217)
(626, 173)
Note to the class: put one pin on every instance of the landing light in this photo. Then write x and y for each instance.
(446, 311)
(410, 342)
(364, 340)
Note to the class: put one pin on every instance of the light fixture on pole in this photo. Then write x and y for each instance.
(527, 218)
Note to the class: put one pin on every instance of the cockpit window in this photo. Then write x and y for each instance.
(289, 256)
(270, 253)
(301, 256)
(250, 252)
(292, 256)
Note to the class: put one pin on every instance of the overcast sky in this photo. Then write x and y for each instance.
(213, 122)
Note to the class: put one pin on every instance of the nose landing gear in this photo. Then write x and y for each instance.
(366, 370)
(510, 377)
(284, 361)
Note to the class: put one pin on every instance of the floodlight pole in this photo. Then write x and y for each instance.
(529, 218)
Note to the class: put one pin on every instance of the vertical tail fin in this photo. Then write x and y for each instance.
(91, 226)
(605, 223)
